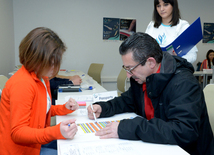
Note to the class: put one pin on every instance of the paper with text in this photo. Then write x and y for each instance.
(97, 148)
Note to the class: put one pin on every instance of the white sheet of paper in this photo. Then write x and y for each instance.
(96, 148)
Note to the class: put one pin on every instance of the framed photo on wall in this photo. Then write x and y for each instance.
(118, 29)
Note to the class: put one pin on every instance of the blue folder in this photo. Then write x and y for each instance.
(186, 40)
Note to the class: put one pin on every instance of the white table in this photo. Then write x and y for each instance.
(92, 144)
(89, 143)
(204, 74)
(86, 82)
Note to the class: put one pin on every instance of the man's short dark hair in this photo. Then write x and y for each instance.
(143, 46)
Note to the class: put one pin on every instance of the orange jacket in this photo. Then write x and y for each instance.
(24, 124)
(204, 65)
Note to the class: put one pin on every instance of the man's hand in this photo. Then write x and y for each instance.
(76, 79)
(97, 111)
(110, 131)
(72, 104)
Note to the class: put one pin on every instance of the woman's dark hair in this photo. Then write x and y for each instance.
(207, 56)
(40, 50)
(175, 13)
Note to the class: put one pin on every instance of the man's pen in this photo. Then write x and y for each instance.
(94, 114)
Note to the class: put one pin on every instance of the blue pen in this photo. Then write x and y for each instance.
(69, 124)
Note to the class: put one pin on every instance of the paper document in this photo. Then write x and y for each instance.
(186, 40)
(92, 127)
(118, 147)
(104, 96)
(96, 148)
(86, 98)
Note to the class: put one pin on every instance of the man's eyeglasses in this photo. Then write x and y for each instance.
(131, 69)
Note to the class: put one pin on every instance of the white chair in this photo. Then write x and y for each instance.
(121, 82)
(94, 71)
(208, 93)
(18, 67)
(3, 80)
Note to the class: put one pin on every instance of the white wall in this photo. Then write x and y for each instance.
(79, 24)
(7, 57)
(190, 10)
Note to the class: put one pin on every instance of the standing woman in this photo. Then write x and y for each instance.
(25, 107)
(167, 25)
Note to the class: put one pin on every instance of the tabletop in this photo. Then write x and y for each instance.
(86, 143)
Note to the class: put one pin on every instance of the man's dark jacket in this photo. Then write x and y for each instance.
(180, 117)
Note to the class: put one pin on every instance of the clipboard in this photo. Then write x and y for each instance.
(186, 40)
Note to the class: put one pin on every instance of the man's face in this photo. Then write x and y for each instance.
(139, 73)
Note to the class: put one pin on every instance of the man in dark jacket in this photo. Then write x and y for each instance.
(166, 96)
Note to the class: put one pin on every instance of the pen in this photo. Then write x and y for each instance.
(69, 124)
(93, 113)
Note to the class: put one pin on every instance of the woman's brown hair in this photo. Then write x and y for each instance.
(41, 49)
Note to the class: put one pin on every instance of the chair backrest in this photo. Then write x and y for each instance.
(198, 66)
(3, 80)
(95, 70)
(121, 82)
(208, 93)
(18, 67)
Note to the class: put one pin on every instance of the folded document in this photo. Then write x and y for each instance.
(186, 40)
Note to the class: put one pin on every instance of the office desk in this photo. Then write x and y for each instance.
(86, 82)
(88, 143)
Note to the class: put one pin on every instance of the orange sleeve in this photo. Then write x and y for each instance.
(60, 110)
(25, 127)
(203, 65)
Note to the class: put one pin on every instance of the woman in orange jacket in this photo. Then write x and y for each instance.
(25, 107)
